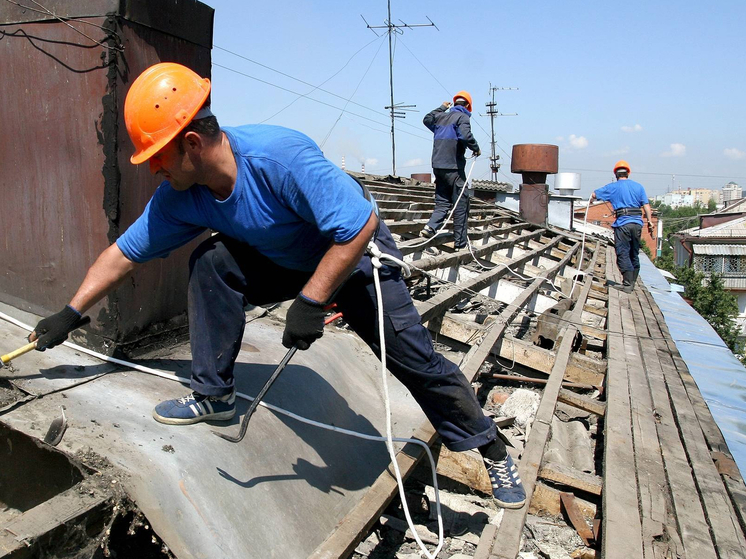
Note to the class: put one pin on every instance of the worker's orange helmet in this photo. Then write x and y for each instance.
(159, 105)
(463, 95)
(622, 164)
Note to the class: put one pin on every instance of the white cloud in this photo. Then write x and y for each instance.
(635, 128)
(578, 142)
(414, 162)
(370, 161)
(677, 150)
(617, 152)
(734, 153)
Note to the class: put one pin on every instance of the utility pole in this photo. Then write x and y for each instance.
(395, 110)
(492, 112)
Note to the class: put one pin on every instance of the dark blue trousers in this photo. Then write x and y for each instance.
(627, 246)
(225, 275)
(448, 184)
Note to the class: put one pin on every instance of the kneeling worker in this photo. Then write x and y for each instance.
(291, 226)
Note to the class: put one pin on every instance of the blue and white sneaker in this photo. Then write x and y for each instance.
(507, 488)
(195, 408)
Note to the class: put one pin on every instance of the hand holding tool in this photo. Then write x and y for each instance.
(304, 323)
(53, 330)
(265, 388)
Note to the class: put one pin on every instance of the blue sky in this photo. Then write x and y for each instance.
(660, 84)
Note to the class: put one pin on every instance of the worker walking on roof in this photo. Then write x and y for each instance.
(451, 128)
(628, 199)
(291, 226)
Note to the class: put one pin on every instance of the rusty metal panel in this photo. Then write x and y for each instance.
(175, 17)
(67, 186)
(534, 203)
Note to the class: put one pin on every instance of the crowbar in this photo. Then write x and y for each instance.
(265, 388)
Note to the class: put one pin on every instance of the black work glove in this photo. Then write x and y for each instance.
(304, 323)
(53, 330)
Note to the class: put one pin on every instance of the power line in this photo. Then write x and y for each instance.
(309, 98)
(315, 87)
(322, 83)
(351, 96)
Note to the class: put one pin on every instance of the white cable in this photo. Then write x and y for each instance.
(453, 209)
(582, 249)
(376, 261)
(389, 439)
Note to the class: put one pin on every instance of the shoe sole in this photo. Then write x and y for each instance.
(222, 416)
(505, 505)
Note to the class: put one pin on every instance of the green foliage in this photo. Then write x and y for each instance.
(710, 299)
(711, 206)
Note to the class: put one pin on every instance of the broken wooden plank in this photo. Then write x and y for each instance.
(582, 402)
(576, 518)
(570, 477)
(546, 501)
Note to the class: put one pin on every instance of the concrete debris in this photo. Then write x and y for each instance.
(464, 516)
(522, 405)
(551, 540)
(367, 546)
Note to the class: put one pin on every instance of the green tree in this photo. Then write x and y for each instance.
(714, 303)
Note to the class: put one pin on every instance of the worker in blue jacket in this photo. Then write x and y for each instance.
(629, 200)
(451, 128)
(290, 226)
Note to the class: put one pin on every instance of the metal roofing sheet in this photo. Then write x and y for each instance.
(719, 250)
(719, 375)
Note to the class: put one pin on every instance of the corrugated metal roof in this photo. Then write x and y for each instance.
(719, 250)
(491, 186)
(735, 228)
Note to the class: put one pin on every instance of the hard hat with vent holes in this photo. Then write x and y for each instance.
(159, 104)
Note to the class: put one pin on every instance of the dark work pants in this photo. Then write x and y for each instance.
(448, 184)
(225, 275)
(627, 246)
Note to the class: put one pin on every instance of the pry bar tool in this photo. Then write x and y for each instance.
(265, 388)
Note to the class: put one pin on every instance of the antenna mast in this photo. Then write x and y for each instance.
(492, 112)
(395, 110)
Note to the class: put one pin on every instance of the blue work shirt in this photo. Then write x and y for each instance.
(624, 193)
(289, 202)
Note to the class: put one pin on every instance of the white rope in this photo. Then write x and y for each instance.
(376, 256)
(388, 439)
(582, 249)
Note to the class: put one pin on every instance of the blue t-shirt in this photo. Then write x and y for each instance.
(289, 202)
(624, 193)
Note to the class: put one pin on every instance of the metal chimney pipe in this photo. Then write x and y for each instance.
(534, 162)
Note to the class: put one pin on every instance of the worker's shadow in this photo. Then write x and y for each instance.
(349, 463)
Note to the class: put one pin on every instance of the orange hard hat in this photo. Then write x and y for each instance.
(463, 95)
(159, 104)
(622, 164)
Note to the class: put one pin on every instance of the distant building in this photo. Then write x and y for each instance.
(731, 191)
(718, 245)
(689, 197)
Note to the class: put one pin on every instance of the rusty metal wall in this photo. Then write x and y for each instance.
(67, 187)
